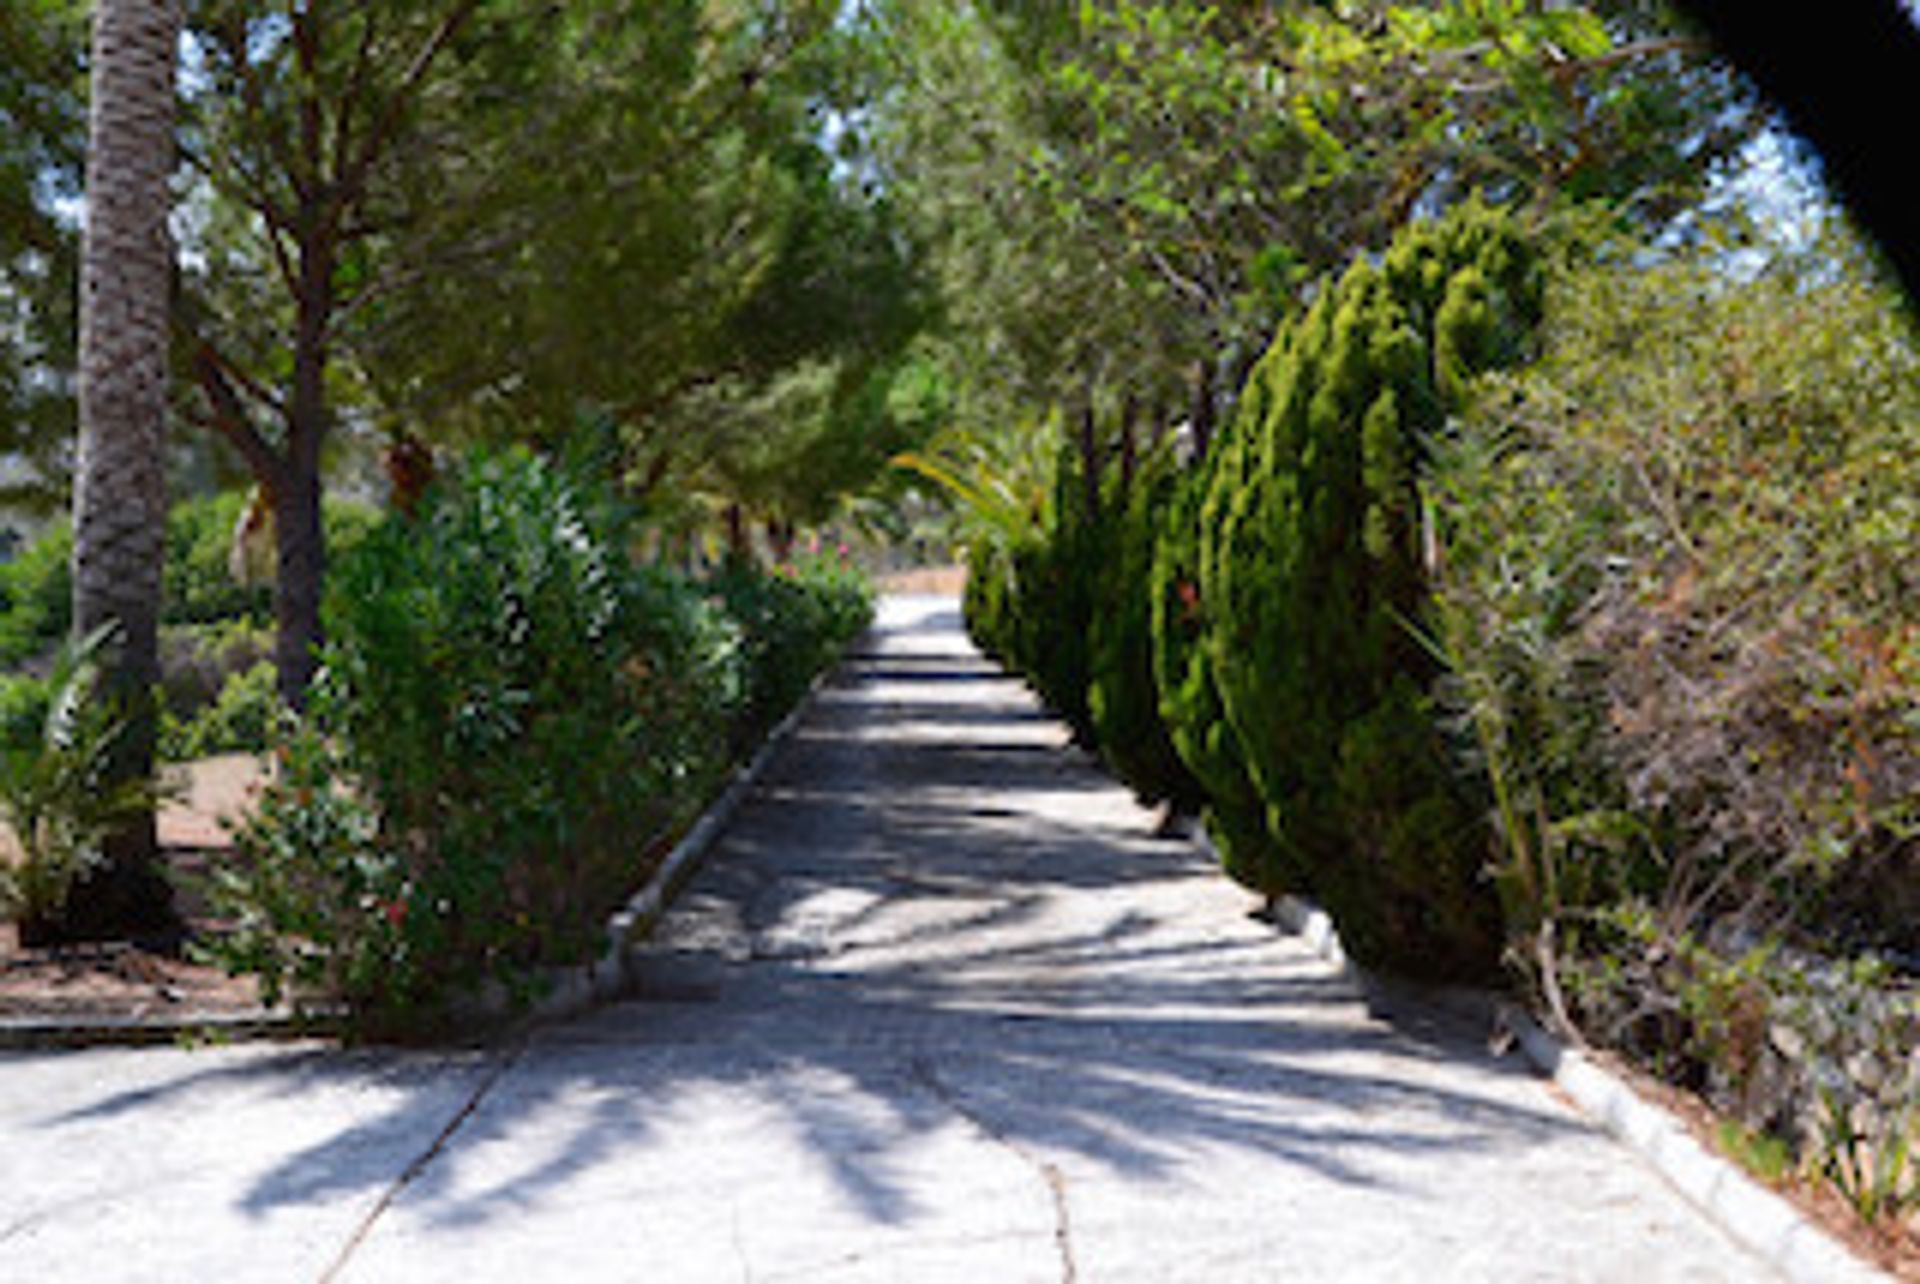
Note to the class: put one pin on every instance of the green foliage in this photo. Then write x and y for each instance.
(1122, 698)
(61, 794)
(1312, 565)
(36, 586)
(794, 621)
(1676, 600)
(1046, 605)
(480, 675)
(1679, 591)
(200, 583)
(319, 901)
(514, 727)
(239, 718)
(511, 719)
(198, 660)
(1190, 706)
(36, 596)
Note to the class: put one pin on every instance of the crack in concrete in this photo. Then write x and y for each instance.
(1049, 1172)
(420, 1163)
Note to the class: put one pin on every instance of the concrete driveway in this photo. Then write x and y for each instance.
(940, 1007)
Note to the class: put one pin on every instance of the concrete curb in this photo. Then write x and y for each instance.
(1760, 1220)
(24, 1033)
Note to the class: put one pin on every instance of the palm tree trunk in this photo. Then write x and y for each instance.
(120, 483)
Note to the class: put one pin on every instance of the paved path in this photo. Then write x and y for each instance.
(940, 1008)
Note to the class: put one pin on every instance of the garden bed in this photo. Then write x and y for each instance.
(118, 980)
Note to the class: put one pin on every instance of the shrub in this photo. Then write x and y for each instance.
(1042, 601)
(1679, 554)
(199, 581)
(517, 716)
(1312, 552)
(1189, 702)
(985, 601)
(793, 622)
(1122, 698)
(36, 596)
(200, 584)
(1679, 606)
(198, 660)
(239, 719)
(58, 793)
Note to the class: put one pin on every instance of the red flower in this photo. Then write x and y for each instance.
(1189, 596)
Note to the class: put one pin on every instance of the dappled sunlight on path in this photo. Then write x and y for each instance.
(943, 1006)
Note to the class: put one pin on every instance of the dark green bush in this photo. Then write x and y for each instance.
(1043, 602)
(794, 620)
(985, 601)
(1190, 707)
(36, 596)
(1122, 698)
(519, 713)
(1312, 565)
(238, 719)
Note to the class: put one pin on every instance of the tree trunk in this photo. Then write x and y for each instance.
(120, 478)
(299, 535)
(300, 566)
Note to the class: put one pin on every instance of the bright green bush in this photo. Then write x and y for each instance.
(1312, 567)
(199, 582)
(36, 586)
(200, 585)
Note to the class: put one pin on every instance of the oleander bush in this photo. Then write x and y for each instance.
(511, 719)
(794, 620)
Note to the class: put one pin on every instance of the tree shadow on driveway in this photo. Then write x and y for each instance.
(900, 939)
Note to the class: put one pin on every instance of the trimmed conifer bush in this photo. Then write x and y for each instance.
(1189, 701)
(1122, 698)
(1311, 568)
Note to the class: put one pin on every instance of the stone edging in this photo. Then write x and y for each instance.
(19, 1033)
(1763, 1222)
